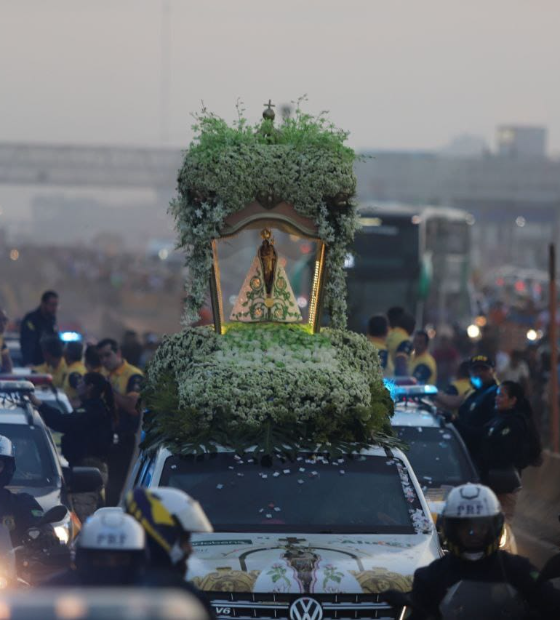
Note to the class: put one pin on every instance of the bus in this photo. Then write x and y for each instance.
(414, 257)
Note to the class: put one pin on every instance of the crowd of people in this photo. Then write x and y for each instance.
(492, 412)
(103, 387)
(149, 543)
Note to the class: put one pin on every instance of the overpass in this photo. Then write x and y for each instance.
(488, 184)
(91, 166)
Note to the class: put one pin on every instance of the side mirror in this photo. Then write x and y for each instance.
(83, 479)
(54, 515)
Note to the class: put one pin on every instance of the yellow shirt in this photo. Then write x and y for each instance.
(398, 343)
(424, 368)
(74, 372)
(126, 379)
(58, 373)
(461, 387)
(383, 352)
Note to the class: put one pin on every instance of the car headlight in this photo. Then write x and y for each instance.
(62, 532)
(504, 538)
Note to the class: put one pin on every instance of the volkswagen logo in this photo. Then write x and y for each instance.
(306, 608)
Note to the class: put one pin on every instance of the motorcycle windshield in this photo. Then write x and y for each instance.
(7, 560)
(467, 600)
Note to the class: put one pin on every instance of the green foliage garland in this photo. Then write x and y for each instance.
(273, 386)
(304, 162)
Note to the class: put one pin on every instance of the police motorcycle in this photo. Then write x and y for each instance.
(39, 555)
(474, 580)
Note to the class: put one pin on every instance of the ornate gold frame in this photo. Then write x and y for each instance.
(282, 219)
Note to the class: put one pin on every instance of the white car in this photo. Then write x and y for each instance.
(40, 471)
(317, 533)
(435, 449)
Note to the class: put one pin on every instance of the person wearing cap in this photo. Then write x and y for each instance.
(169, 516)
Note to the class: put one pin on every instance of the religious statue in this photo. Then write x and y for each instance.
(266, 294)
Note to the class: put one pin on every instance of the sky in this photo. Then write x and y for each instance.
(398, 74)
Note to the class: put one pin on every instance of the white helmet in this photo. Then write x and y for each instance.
(6, 447)
(472, 521)
(112, 531)
(168, 516)
(111, 550)
(8, 456)
(107, 510)
(184, 508)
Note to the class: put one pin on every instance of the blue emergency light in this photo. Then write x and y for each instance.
(70, 337)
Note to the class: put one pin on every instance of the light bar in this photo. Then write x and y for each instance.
(411, 391)
(11, 387)
(70, 337)
(34, 379)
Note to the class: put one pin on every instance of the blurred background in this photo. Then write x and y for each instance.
(454, 104)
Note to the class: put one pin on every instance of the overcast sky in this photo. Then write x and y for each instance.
(397, 73)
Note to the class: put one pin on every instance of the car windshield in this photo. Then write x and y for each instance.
(437, 456)
(34, 459)
(361, 494)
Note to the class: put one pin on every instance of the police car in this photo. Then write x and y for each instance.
(312, 537)
(39, 471)
(434, 448)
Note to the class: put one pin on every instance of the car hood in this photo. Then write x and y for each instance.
(314, 563)
(47, 497)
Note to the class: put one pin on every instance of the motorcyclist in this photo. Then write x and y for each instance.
(111, 551)
(169, 516)
(18, 511)
(472, 523)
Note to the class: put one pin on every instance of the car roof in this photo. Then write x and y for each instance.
(409, 414)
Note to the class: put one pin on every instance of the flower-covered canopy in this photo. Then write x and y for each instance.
(265, 216)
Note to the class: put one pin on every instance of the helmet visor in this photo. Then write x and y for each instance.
(474, 534)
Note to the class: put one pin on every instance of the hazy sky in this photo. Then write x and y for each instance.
(396, 73)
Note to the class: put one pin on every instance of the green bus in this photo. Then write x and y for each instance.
(414, 257)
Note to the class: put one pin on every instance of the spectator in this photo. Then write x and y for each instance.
(454, 395)
(6, 365)
(479, 406)
(516, 370)
(75, 370)
(92, 361)
(399, 354)
(126, 381)
(393, 315)
(54, 364)
(378, 328)
(423, 365)
(131, 347)
(507, 444)
(88, 432)
(37, 324)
